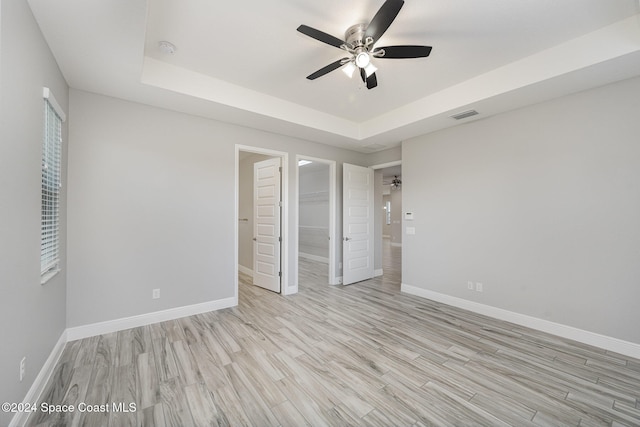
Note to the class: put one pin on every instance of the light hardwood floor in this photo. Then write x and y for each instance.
(364, 354)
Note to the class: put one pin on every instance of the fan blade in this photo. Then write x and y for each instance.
(320, 36)
(404, 52)
(372, 81)
(329, 68)
(383, 19)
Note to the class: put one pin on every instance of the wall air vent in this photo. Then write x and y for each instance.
(464, 114)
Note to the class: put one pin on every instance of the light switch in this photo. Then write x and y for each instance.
(408, 216)
(411, 230)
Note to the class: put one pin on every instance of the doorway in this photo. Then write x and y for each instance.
(316, 221)
(389, 221)
(261, 247)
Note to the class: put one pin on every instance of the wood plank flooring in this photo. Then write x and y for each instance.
(364, 354)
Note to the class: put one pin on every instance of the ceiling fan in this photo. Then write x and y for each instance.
(359, 44)
(394, 183)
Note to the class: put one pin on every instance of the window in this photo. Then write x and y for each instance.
(51, 184)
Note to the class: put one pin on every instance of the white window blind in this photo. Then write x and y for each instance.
(51, 184)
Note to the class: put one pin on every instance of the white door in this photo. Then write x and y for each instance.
(266, 224)
(357, 224)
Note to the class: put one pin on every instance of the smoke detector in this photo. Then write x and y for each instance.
(167, 47)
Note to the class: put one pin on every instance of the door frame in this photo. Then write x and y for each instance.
(333, 279)
(285, 289)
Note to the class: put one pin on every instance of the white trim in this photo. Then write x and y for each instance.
(109, 326)
(377, 273)
(37, 388)
(317, 258)
(245, 270)
(48, 95)
(602, 341)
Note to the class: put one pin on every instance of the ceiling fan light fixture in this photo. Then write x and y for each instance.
(370, 69)
(363, 59)
(349, 69)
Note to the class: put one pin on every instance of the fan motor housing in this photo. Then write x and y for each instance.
(355, 35)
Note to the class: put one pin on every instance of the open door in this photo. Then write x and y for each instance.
(357, 224)
(266, 224)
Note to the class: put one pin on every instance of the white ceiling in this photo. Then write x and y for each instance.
(244, 62)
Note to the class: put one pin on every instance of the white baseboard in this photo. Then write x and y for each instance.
(244, 270)
(602, 341)
(86, 331)
(100, 328)
(37, 388)
(378, 273)
(317, 258)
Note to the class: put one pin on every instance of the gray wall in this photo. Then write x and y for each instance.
(541, 205)
(151, 205)
(32, 316)
(385, 156)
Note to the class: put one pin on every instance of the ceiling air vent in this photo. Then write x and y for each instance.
(464, 114)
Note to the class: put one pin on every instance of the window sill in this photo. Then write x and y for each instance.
(48, 276)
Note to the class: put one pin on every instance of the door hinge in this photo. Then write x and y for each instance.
(280, 203)
(280, 169)
(279, 238)
(279, 273)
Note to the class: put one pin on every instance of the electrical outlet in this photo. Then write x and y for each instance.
(470, 286)
(156, 294)
(478, 286)
(23, 368)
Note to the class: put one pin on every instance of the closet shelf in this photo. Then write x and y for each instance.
(316, 196)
